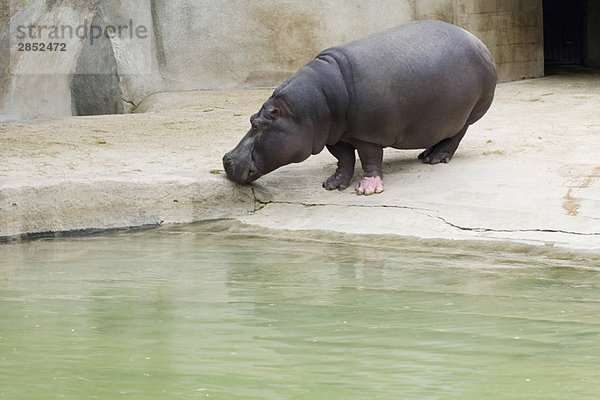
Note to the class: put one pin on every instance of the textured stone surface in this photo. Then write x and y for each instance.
(527, 172)
(104, 172)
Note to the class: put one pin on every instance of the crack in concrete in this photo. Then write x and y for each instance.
(464, 228)
(265, 203)
(259, 205)
(130, 102)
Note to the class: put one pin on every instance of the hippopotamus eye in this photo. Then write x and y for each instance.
(256, 123)
(274, 113)
(256, 127)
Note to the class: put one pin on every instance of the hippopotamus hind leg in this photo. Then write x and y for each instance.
(340, 179)
(444, 150)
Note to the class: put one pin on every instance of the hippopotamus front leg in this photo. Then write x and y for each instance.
(371, 158)
(340, 179)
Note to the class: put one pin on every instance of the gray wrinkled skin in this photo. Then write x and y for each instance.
(417, 86)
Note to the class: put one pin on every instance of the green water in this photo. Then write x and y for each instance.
(220, 311)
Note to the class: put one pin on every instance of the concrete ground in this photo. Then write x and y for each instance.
(528, 172)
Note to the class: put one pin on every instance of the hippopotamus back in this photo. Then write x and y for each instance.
(415, 84)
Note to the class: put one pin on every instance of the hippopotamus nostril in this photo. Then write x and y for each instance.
(227, 161)
(229, 164)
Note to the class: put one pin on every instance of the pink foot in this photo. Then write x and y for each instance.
(370, 185)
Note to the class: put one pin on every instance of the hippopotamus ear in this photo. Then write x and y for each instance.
(279, 108)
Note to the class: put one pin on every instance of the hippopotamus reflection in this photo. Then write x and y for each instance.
(416, 86)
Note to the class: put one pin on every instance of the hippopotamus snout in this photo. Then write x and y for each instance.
(239, 164)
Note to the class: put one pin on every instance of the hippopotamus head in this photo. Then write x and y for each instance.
(277, 137)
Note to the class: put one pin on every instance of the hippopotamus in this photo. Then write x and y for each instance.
(415, 86)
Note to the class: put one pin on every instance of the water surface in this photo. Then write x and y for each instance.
(222, 311)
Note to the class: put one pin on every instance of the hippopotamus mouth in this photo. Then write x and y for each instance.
(241, 170)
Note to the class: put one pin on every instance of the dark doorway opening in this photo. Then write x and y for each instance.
(571, 34)
(564, 32)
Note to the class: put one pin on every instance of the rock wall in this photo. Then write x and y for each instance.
(224, 44)
(511, 29)
(34, 84)
(117, 70)
(219, 44)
